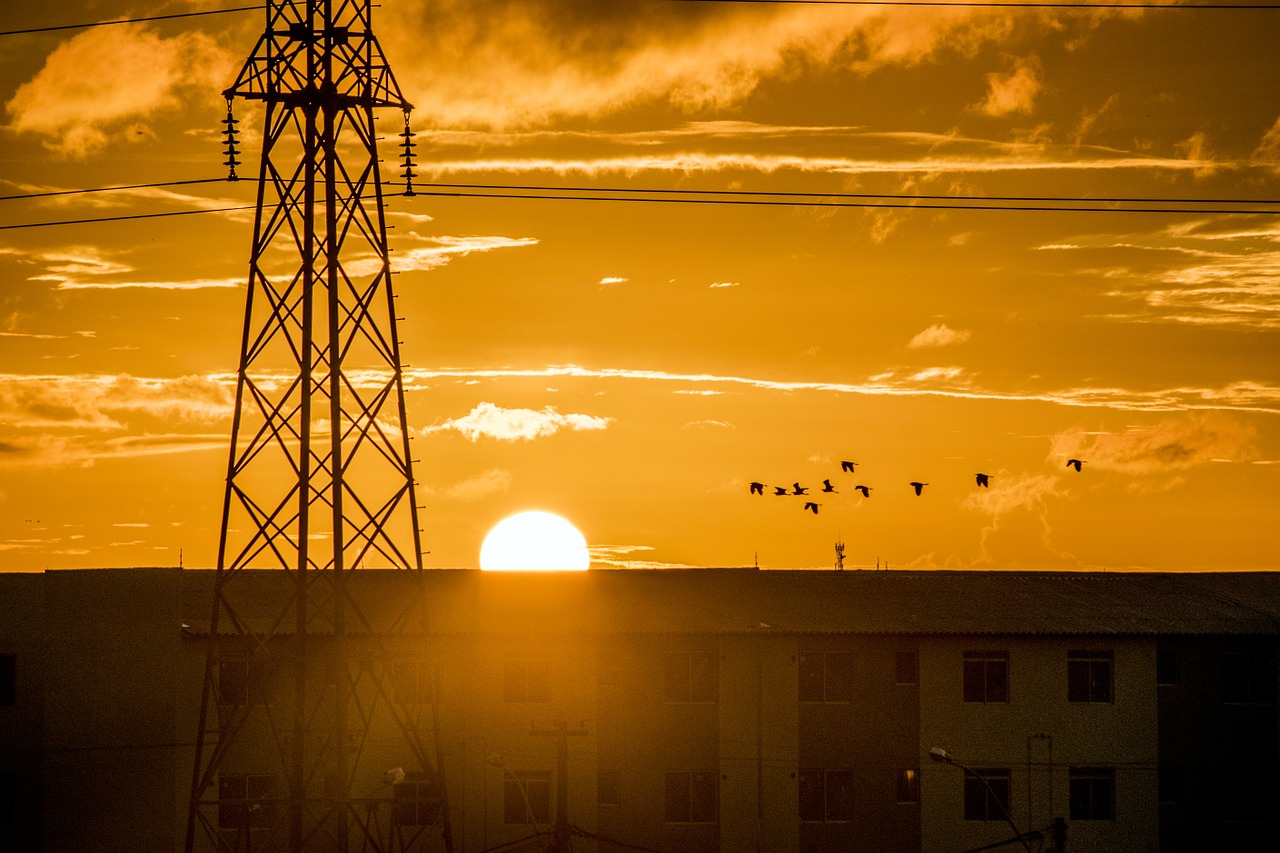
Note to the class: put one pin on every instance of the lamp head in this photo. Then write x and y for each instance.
(939, 754)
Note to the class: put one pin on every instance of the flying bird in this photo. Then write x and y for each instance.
(827, 487)
(983, 480)
(799, 489)
(847, 467)
(919, 487)
(866, 490)
(1075, 463)
(812, 507)
(757, 488)
(779, 490)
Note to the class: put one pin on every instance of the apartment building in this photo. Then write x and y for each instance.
(676, 711)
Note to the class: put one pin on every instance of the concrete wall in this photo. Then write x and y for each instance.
(1039, 735)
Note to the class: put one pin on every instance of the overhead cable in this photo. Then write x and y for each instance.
(130, 21)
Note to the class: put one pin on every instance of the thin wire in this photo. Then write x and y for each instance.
(994, 4)
(130, 21)
(23, 225)
(701, 201)
(852, 204)
(761, 194)
(900, 196)
(52, 193)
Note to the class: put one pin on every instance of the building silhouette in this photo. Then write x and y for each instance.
(682, 711)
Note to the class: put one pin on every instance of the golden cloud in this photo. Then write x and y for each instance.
(493, 421)
(134, 75)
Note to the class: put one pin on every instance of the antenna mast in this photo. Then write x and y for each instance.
(319, 482)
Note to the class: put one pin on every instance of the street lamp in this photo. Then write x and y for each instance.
(937, 753)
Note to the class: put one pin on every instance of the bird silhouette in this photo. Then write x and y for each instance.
(827, 487)
(866, 490)
(812, 507)
(983, 480)
(1075, 463)
(757, 488)
(919, 487)
(779, 490)
(847, 467)
(799, 489)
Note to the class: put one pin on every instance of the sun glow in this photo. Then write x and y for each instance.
(534, 541)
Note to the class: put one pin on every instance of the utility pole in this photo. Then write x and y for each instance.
(560, 733)
(300, 669)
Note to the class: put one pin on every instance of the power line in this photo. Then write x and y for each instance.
(23, 225)
(895, 196)
(995, 4)
(51, 193)
(130, 21)
(894, 203)
(756, 194)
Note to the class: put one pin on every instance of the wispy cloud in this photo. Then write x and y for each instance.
(939, 335)
(434, 252)
(535, 62)
(1169, 446)
(493, 421)
(99, 401)
(1015, 91)
(493, 481)
(1209, 272)
(948, 382)
(624, 557)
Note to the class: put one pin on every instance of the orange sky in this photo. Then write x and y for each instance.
(633, 366)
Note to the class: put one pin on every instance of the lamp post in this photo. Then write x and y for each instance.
(937, 753)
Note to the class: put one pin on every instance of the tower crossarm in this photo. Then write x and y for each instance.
(317, 53)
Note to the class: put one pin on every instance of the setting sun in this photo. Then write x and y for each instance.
(534, 541)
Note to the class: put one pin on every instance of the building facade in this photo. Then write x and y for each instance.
(685, 711)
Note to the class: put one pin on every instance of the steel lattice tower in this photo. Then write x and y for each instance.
(314, 691)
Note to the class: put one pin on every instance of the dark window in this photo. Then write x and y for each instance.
(8, 680)
(826, 676)
(986, 676)
(1169, 784)
(8, 799)
(607, 788)
(526, 797)
(1089, 676)
(526, 681)
(246, 801)
(692, 797)
(417, 801)
(986, 794)
(909, 785)
(1248, 678)
(1249, 792)
(906, 668)
(826, 795)
(1092, 793)
(690, 676)
(1166, 667)
(411, 683)
(239, 683)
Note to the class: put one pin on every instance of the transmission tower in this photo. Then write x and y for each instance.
(317, 726)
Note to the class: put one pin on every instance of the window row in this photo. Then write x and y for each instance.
(1090, 676)
(250, 800)
(828, 676)
(824, 676)
(1091, 793)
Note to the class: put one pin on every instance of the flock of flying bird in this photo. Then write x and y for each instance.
(846, 467)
